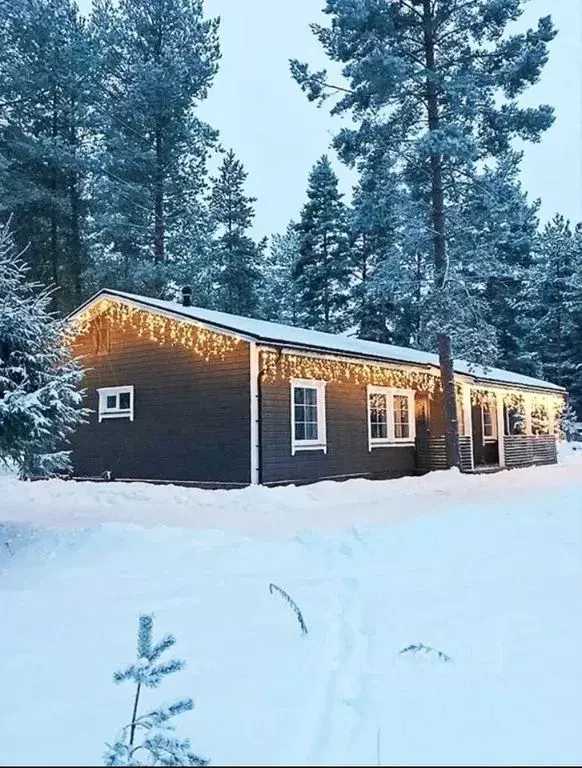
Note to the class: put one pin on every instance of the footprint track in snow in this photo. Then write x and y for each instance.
(341, 709)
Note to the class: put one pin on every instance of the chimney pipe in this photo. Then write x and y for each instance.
(186, 296)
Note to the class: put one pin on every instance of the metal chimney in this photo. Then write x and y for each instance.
(187, 296)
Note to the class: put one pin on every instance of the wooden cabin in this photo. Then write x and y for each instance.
(189, 395)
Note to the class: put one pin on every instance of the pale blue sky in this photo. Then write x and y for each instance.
(278, 134)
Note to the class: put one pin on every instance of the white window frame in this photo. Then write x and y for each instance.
(310, 445)
(115, 413)
(391, 439)
(493, 436)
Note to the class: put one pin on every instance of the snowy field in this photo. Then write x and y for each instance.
(486, 569)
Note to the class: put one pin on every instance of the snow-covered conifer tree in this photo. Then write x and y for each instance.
(40, 400)
(553, 301)
(433, 86)
(322, 272)
(381, 288)
(150, 739)
(48, 93)
(235, 254)
(277, 290)
(158, 60)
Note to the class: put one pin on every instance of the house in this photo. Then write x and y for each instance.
(189, 395)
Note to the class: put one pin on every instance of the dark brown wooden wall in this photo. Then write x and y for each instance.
(347, 439)
(192, 418)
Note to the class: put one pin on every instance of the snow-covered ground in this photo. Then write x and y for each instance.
(486, 569)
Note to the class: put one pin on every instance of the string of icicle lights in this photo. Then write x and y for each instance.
(160, 329)
(286, 366)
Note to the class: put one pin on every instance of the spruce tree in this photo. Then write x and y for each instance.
(158, 60)
(433, 87)
(553, 300)
(151, 735)
(506, 229)
(47, 92)
(40, 401)
(323, 269)
(379, 295)
(236, 257)
(277, 291)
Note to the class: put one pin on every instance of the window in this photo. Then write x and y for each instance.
(514, 420)
(540, 420)
(308, 431)
(390, 416)
(488, 420)
(115, 403)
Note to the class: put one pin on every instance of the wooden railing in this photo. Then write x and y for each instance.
(431, 453)
(525, 450)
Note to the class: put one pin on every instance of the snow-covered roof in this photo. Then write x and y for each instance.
(279, 335)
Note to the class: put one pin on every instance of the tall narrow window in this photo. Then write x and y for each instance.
(401, 417)
(390, 416)
(489, 421)
(378, 404)
(308, 429)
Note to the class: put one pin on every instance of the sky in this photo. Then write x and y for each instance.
(264, 117)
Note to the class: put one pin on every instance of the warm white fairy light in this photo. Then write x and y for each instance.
(283, 366)
(159, 329)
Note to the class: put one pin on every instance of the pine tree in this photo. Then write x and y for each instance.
(236, 257)
(159, 58)
(388, 244)
(323, 270)
(40, 402)
(553, 300)
(507, 227)
(433, 88)
(158, 741)
(277, 291)
(47, 90)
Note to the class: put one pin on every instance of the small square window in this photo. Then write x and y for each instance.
(115, 403)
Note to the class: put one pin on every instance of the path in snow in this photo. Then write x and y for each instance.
(493, 580)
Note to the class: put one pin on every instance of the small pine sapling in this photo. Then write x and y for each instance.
(159, 745)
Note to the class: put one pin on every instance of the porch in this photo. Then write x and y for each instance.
(499, 429)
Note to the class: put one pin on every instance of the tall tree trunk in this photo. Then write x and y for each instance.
(325, 285)
(159, 235)
(440, 246)
(75, 219)
(418, 297)
(75, 240)
(54, 234)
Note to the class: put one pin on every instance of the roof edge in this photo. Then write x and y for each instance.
(142, 302)
(123, 298)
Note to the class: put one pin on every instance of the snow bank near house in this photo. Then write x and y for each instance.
(325, 506)
(485, 569)
(570, 453)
